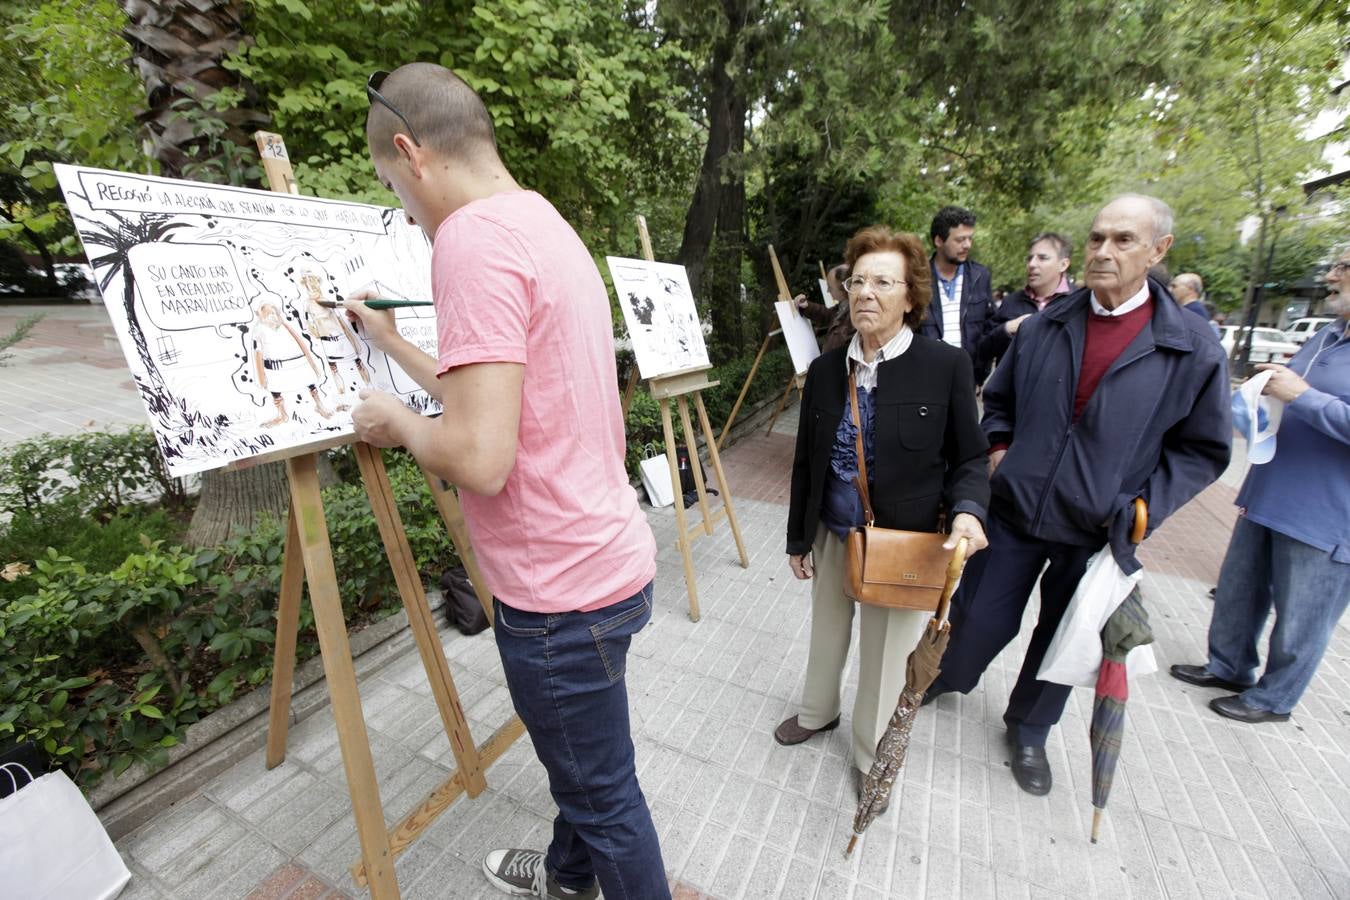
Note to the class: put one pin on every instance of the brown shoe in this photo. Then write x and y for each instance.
(790, 732)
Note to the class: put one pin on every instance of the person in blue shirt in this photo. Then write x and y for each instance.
(1290, 549)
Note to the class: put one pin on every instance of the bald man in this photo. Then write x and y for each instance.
(533, 437)
(1108, 394)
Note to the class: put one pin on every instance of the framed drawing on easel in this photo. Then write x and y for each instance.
(659, 311)
(222, 299)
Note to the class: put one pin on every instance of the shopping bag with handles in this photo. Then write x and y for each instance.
(52, 846)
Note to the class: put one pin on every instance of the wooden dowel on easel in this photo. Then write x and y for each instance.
(783, 293)
(695, 465)
(646, 240)
(745, 388)
(283, 652)
(821, 263)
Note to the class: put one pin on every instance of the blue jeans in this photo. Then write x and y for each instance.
(987, 614)
(1264, 569)
(565, 672)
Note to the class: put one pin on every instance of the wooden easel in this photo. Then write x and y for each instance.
(309, 558)
(679, 386)
(794, 380)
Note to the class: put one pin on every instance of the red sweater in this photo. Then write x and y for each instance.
(1106, 338)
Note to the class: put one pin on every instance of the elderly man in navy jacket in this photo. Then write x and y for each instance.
(1112, 393)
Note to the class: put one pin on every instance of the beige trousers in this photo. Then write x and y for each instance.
(886, 637)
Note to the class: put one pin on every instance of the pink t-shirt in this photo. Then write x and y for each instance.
(512, 282)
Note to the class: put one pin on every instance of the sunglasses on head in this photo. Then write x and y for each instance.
(373, 92)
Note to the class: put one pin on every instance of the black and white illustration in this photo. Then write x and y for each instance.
(658, 308)
(218, 294)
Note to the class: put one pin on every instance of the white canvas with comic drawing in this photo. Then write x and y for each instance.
(213, 292)
(658, 308)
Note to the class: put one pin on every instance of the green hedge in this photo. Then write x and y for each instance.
(113, 639)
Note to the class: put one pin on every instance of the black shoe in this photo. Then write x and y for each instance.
(1031, 768)
(1202, 677)
(1237, 708)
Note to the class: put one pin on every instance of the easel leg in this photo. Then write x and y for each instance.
(691, 439)
(283, 653)
(782, 403)
(628, 391)
(745, 388)
(341, 676)
(448, 503)
(409, 581)
(716, 459)
(690, 583)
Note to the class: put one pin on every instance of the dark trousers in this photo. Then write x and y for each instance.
(566, 676)
(987, 613)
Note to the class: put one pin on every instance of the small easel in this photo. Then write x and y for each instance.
(309, 558)
(795, 380)
(679, 386)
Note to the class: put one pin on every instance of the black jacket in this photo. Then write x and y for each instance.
(996, 338)
(977, 305)
(1158, 426)
(929, 451)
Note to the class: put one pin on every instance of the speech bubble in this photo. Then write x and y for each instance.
(185, 286)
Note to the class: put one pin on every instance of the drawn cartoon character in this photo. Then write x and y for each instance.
(284, 364)
(336, 342)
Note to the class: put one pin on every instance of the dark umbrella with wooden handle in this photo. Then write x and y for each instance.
(921, 671)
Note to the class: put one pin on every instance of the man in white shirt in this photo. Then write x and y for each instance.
(962, 298)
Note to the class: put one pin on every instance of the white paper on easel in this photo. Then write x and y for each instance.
(830, 302)
(658, 308)
(800, 337)
(216, 292)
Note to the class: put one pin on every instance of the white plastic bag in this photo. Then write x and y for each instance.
(1075, 652)
(655, 471)
(52, 846)
(1257, 418)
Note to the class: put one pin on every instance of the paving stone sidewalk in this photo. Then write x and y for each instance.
(1202, 807)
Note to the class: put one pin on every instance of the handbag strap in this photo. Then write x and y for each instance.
(859, 480)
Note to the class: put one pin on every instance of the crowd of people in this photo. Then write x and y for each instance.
(1098, 395)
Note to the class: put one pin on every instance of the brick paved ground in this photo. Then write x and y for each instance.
(1202, 807)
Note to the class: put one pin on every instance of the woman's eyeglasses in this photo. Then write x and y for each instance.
(373, 92)
(880, 283)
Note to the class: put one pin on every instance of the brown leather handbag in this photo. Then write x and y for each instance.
(886, 566)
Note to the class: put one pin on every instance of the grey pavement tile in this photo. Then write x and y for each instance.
(177, 830)
(801, 880)
(734, 872)
(700, 869)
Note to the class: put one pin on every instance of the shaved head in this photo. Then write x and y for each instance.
(447, 115)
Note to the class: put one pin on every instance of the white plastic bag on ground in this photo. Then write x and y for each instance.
(655, 471)
(52, 846)
(1075, 652)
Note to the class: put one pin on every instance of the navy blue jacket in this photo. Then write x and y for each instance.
(1158, 426)
(977, 305)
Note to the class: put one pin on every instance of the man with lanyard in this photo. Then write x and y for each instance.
(1110, 394)
(1048, 258)
(532, 436)
(963, 299)
(1290, 549)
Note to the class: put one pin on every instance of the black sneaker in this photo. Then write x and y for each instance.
(522, 873)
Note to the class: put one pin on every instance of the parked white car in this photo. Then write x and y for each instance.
(1268, 344)
(1301, 329)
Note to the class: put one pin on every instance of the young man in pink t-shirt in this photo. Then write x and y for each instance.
(532, 435)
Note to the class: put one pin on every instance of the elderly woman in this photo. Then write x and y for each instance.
(925, 460)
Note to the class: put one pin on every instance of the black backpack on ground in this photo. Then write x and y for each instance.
(462, 609)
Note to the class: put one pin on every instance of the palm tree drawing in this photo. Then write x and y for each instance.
(119, 237)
